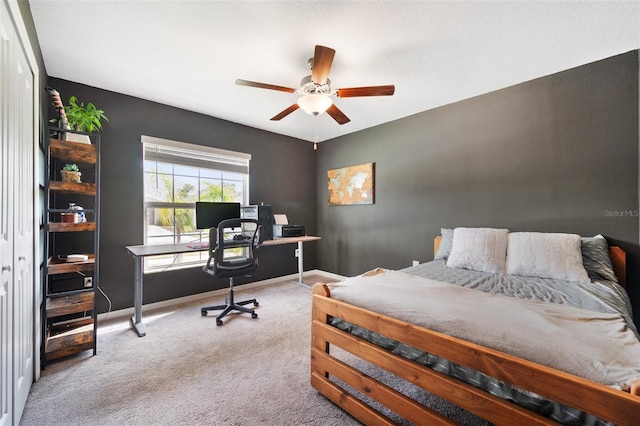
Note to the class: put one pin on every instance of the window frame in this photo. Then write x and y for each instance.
(188, 155)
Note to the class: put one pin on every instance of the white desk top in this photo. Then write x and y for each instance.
(154, 250)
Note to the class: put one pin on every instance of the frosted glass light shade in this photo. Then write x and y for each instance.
(314, 104)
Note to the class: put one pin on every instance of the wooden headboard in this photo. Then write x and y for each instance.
(436, 244)
(619, 263)
(617, 255)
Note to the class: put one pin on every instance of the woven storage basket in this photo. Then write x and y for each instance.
(69, 176)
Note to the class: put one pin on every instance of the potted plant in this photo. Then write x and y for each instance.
(83, 118)
(70, 173)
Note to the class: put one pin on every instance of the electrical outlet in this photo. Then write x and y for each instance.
(297, 253)
(88, 281)
(415, 263)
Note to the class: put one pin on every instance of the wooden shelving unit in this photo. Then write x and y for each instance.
(69, 311)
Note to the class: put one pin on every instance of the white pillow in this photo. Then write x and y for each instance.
(480, 249)
(546, 255)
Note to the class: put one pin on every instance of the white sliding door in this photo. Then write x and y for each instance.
(6, 223)
(23, 232)
(19, 312)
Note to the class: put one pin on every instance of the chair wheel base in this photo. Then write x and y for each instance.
(230, 306)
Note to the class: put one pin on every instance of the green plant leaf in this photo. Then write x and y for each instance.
(84, 118)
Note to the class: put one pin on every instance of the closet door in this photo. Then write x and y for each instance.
(18, 241)
(23, 233)
(6, 224)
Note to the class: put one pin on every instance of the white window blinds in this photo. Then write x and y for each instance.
(174, 152)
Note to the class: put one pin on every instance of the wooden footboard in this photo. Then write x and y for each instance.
(601, 401)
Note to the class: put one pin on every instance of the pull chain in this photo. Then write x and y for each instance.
(315, 144)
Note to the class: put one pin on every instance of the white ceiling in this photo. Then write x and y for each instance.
(188, 53)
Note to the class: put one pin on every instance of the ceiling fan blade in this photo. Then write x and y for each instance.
(337, 115)
(352, 92)
(240, 82)
(322, 60)
(284, 113)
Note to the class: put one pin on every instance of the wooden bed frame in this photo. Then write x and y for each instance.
(619, 407)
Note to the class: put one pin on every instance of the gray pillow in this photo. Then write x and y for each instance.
(445, 244)
(595, 258)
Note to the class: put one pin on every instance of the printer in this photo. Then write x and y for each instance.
(282, 229)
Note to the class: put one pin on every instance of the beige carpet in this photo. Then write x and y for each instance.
(188, 371)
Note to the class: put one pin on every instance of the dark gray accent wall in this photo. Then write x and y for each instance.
(282, 174)
(556, 154)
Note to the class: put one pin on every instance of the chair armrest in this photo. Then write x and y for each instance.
(210, 267)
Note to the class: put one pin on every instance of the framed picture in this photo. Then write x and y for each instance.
(351, 185)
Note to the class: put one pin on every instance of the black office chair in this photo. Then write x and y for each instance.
(233, 252)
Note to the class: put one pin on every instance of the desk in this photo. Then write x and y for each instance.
(141, 251)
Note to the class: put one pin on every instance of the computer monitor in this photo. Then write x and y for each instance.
(210, 214)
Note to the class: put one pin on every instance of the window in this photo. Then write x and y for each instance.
(176, 175)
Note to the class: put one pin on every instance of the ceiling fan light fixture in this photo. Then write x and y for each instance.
(314, 104)
(316, 95)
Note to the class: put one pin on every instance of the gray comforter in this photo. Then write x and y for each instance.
(599, 296)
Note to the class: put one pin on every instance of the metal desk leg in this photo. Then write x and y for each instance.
(300, 262)
(136, 320)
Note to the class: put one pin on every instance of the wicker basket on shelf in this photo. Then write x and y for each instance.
(70, 176)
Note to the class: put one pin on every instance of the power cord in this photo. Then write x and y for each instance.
(104, 294)
(106, 314)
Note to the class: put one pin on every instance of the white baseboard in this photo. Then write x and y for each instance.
(128, 312)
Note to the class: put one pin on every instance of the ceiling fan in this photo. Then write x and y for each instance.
(316, 89)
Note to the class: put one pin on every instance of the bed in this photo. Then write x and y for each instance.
(535, 385)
